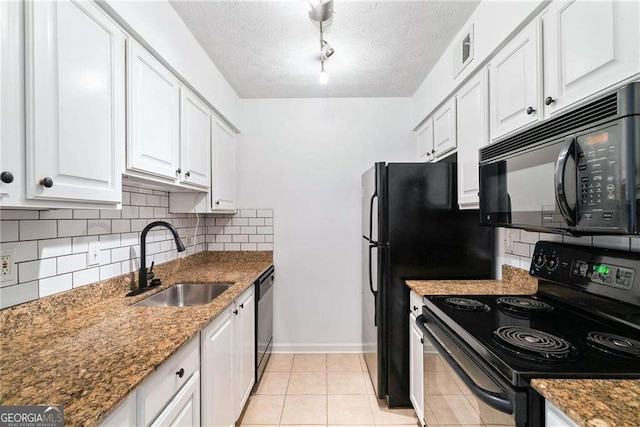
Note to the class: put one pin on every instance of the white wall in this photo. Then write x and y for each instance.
(493, 22)
(304, 158)
(163, 30)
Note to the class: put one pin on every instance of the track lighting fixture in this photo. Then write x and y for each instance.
(322, 13)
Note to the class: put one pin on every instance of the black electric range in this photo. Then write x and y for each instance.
(584, 322)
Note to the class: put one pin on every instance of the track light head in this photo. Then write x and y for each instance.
(327, 50)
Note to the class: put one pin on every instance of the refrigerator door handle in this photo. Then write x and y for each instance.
(373, 197)
(373, 291)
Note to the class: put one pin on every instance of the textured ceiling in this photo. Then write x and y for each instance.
(270, 49)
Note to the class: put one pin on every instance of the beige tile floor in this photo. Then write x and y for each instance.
(319, 389)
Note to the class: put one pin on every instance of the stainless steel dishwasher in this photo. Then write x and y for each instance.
(264, 320)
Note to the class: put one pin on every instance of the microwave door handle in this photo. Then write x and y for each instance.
(498, 401)
(567, 152)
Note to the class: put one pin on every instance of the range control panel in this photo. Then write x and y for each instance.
(598, 177)
(605, 272)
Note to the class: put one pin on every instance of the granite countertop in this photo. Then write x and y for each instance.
(515, 281)
(594, 403)
(88, 348)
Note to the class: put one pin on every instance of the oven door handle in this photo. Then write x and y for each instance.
(567, 152)
(498, 401)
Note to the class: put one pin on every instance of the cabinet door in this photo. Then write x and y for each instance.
(195, 141)
(444, 129)
(218, 396)
(514, 74)
(472, 127)
(223, 163)
(245, 345)
(154, 116)
(425, 141)
(416, 392)
(184, 409)
(124, 414)
(588, 46)
(75, 102)
(11, 103)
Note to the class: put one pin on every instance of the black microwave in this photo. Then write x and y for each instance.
(574, 174)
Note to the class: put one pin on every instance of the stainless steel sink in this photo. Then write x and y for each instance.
(185, 295)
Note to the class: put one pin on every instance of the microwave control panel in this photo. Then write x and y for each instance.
(598, 178)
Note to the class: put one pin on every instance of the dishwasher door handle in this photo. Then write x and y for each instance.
(498, 401)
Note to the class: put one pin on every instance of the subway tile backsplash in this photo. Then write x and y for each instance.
(524, 243)
(51, 247)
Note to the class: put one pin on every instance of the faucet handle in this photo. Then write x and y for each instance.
(151, 268)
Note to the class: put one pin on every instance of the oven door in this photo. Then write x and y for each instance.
(459, 389)
(535, 189)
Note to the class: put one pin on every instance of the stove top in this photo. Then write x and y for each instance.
(537, 337)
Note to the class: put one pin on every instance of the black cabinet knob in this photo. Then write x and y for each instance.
(178, 170)
(530, 110)
(6, 177)
(549, 100)
(415, 308)
(188, 174)
(46, 182)
(421, 340)
(180, 373)
(242, 305)
(217, 202)
(433, 151)
(428, 154)
(235, 312)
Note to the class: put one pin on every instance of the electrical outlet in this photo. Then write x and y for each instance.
(8, 275)
(508, 246)
(93, 257)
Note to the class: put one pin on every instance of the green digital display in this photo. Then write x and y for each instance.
(602, 269)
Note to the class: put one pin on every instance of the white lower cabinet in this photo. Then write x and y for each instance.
(124, 415)
(228, 362)
(416, 358)
(217, 340)
(184, 409)
(554, 417)
(245, 325)
(416, 387)
(158, 391)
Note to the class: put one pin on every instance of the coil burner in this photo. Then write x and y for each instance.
(615, 344)
(466, 304)
(534, 344)
(523, 305)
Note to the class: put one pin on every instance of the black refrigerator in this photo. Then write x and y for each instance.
(411, 229)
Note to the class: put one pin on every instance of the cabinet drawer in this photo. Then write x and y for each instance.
(415, 304)
(160, 388)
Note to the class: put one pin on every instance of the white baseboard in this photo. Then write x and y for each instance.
(316, 348)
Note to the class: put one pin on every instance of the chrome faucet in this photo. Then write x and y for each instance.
(143, 275)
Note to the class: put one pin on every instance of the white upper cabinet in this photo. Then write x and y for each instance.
(195, 141)
(223, 163)
(425, 141)
(588, 47)
(11, 104)
(154, 116)
(514, 75)
(444, 129)
(75, 91)
(473, 119)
